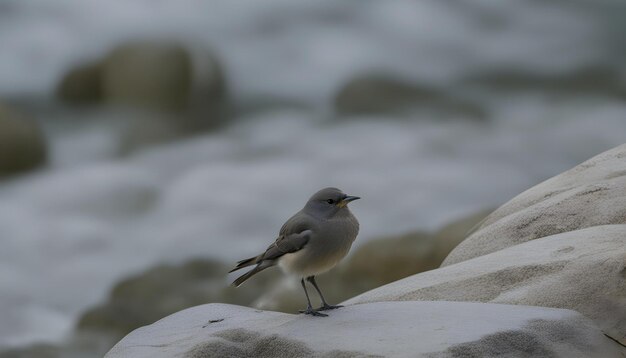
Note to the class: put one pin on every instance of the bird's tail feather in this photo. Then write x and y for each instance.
(245, 263)
(260, 267)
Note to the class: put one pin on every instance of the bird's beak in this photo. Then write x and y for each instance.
(347, 200)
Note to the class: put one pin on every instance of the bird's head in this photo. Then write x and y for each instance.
(328, 202)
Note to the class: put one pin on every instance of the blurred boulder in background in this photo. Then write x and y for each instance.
(82, 84)
(22, 144)
(172, 90)
(389, 259)
(384, 94)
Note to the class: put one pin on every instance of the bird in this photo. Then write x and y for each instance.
(310, 243)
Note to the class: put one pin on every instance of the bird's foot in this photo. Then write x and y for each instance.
(309, 310)
(327, 307)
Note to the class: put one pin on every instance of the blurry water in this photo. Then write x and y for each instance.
(69, 232)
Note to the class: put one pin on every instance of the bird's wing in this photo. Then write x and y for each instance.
(286, 244)
(293, 236)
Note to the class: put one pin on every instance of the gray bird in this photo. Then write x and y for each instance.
(311, 242)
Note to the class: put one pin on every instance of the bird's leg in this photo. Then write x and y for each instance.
(309, 308)
(325, 306)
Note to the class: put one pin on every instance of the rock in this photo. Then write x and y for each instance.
(380, 94)
(154, 75)
(398, 329)
(592, 193)
(581, 270)
(82, 84)
(165, 91)
(22, 144)
(183, 87)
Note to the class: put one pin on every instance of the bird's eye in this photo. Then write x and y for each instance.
(330, 201)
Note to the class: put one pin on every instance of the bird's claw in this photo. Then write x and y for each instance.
(327, 307)
(312, 312)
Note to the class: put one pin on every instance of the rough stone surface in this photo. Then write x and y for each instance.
(592, 193)
(388, 329)
(581, 270)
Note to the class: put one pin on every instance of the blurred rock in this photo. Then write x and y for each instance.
(171, 90)
(590, 81)
(590, 194)
(385, 260)
(22, 144)
(82, 84)
(154, 75)
(384, 329)
(163, 76)
(380, 94)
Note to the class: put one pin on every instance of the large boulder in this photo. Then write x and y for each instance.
(22, 143)
(388, 329)
(581, 270)
(592, 193)
(383, 94)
